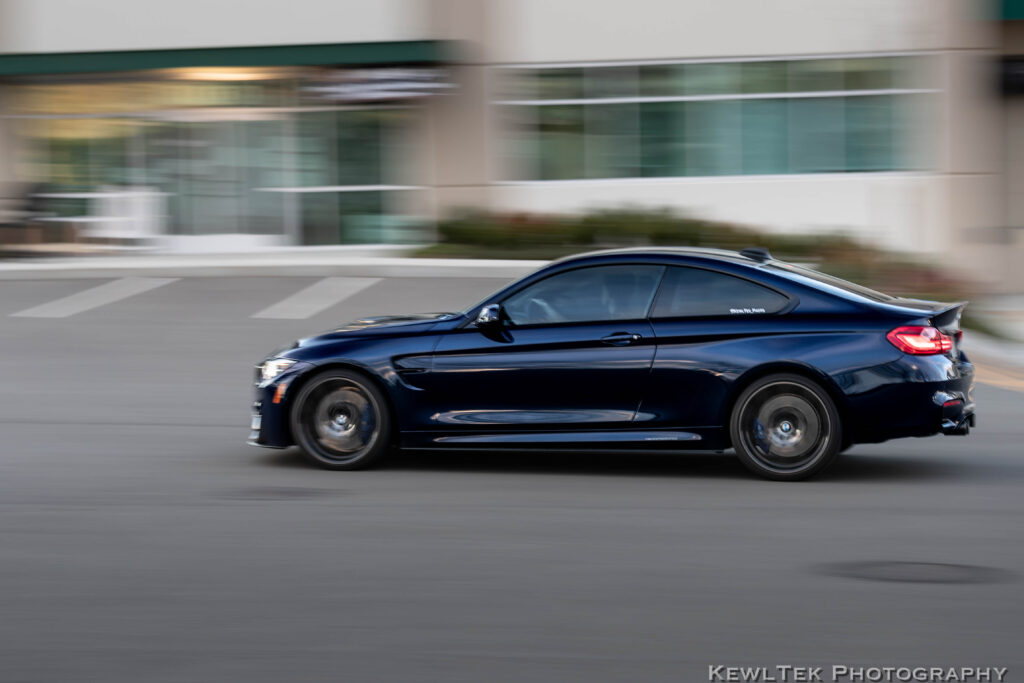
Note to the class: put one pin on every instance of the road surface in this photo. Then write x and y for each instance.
(141, 539)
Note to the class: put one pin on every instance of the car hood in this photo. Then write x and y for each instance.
(379, 321)
(405, 323)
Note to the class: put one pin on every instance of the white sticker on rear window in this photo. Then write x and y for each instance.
(742, 311)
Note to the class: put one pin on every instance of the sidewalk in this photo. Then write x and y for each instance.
(368, 260)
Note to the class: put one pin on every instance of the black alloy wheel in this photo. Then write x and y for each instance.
(341, 421)
(785, 427)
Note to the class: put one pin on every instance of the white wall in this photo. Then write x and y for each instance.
(101, 25)
(904, 211)
(581, 30)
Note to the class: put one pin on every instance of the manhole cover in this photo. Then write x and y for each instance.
(917, 572)
(277, 493)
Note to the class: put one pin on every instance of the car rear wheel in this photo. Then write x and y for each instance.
(341, 421)
(785, 427)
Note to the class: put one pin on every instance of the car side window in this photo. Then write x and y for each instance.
(689, 292)
(595, 293)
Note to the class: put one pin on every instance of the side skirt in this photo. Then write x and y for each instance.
(696, 439)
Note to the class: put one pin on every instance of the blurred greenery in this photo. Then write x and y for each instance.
(476, 234)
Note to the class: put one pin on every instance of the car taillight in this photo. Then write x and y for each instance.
(920, 341)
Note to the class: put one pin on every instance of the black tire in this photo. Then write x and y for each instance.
(785, 427)
(341, 421)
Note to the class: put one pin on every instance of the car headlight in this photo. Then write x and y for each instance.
(275, 366)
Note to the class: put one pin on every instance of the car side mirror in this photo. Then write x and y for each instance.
(489, 316)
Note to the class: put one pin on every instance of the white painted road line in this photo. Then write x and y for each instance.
(317, 297)
(94, 297)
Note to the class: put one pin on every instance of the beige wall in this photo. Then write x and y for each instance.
(1011, 191)
(461, 125)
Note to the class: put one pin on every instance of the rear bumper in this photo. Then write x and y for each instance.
(957, 416)
(919, 396)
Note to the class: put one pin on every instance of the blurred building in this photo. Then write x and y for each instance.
(218, 124)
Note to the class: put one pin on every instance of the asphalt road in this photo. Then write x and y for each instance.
(141, 539)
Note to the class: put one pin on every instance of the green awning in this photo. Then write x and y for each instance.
(347, 54)
(1012, 9)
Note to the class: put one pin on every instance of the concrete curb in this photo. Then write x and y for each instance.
(294, 263)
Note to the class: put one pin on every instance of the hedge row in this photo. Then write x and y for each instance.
(611, 228)
(512, 235)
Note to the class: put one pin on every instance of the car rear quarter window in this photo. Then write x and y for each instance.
(830, 280)
(689, 292)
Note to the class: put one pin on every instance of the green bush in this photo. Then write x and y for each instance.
(624, 227)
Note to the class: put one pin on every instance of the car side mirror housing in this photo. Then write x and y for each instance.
(489, 316)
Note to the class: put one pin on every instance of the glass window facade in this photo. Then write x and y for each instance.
(821, 115)
(227, 151)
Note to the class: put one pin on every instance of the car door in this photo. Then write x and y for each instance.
(709, 326)
(574, 352)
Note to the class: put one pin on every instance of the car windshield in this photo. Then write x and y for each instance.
(830, 280)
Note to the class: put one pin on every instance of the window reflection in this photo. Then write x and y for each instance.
(707, 119)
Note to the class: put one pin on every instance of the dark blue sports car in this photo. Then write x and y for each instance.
(667, 348)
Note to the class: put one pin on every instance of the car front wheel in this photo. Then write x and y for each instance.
(341, 421)
(785, 427)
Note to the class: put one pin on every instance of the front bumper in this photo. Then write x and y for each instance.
(256, 434)
(268, 423)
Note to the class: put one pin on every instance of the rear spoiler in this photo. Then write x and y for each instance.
(944, 316)
(947, 318)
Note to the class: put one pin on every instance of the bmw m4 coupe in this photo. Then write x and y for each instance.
(666, 348)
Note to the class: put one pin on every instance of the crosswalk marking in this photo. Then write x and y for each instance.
(317, 297)
(94, 297)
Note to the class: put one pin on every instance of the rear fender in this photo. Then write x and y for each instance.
(792, 367)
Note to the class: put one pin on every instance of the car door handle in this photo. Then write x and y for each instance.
(621, 339)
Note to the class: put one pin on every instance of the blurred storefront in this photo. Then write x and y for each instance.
(352, 122)
(266, 155)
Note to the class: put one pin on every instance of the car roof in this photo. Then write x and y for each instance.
(699, 252)
(753, 258)
(770, 271)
